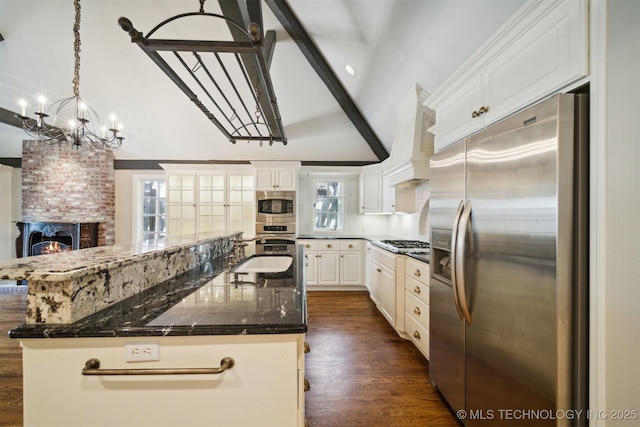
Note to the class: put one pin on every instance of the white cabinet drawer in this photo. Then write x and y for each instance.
(309, 245)
(384, 257)
(417, 309)
(418, 270)
(351, 245)
(417, 289)
(328, 245)
(418, 334)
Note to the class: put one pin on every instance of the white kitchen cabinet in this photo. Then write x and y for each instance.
(383, 282)
(211, 201)
(310, 262)
(351, 253)
(333, 263)
(371, 189)
(416, 303)
(276, 176)
(328, 263)
(323, 262)
(455, 115)
(265, 386)
(367, 265)
(376, 195)
(541, 51)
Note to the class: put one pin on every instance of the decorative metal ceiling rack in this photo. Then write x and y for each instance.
(227, 80)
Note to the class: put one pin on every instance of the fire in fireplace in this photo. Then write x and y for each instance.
(49, 247)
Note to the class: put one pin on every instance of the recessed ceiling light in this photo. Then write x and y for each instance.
(350, 70)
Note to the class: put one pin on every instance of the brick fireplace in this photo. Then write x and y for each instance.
(69, 189)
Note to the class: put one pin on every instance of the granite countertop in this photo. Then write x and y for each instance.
(373, 239)
(342, 237)
(420, 257)
(59, 266)
(207, 300)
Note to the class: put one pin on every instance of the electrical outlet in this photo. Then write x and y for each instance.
(142, 352)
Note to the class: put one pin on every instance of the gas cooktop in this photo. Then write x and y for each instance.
(404, 246)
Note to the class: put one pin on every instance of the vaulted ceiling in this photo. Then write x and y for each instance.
(327, 115)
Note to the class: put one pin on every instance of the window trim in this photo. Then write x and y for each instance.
(138, 202)
(341, 212)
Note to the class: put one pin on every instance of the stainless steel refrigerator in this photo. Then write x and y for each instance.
(508, 286)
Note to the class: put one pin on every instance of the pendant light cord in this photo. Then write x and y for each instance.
(76, 49)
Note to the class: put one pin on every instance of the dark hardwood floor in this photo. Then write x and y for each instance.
(361, 373)
(13, 307)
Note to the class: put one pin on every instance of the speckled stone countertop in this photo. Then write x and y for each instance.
(59, 266)
(207, 300)
(68, 286)
(373, 239)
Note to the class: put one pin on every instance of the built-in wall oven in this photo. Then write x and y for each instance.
(275, 207)
(284, 243)
(275, 221)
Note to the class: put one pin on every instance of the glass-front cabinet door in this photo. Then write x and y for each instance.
(212, 206)
(182, 204)
(241, 200)
(205, 202)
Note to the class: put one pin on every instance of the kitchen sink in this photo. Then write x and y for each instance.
(263, 264)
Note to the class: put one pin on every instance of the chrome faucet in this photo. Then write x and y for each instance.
(239, 244)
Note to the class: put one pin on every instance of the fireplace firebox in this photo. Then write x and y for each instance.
(37, 238)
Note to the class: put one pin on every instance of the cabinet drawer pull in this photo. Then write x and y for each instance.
(329, 246)
(416, 310)
(307, 348)
(307, 386)
(417, 273)
(307, 246)
(416, 334)
(350, 246)
(92, 367)
(379, 271)
(416, 289)
(483, 110)
(475, 114)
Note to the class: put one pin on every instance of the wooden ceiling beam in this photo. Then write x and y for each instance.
(296, 31)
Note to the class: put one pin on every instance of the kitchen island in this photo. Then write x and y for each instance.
(206, 347)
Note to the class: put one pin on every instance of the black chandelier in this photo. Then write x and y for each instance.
(73, 119)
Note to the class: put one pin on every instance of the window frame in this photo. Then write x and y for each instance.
(340, 213)
(138, 203)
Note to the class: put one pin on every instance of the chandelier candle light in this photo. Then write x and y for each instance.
(79, 129)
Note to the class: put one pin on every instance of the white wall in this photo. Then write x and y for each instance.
(615, 211)
(10, 209)
(404, 226)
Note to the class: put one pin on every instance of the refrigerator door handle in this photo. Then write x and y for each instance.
(454, 258)
(459, 265)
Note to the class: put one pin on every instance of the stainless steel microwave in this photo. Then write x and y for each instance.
(275, 207)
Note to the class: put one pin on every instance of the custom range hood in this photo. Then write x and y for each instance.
(412, 147)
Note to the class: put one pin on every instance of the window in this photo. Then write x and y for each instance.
(328, 205)
(152, 220)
